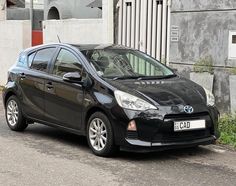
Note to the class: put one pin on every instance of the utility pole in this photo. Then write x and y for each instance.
(31, 12)
(31, 17)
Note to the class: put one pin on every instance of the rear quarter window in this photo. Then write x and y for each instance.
(31, 58)
(22, 60)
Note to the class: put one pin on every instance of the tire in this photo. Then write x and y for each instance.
(14, 117)
(96, 137)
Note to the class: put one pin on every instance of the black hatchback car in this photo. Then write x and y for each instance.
(116, 96)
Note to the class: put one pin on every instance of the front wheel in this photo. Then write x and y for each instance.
(100, 135)
(14, 116)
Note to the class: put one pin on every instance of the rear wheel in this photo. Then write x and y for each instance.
(100, 135)
(14, 117)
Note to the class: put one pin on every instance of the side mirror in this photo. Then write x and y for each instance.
(73, 77)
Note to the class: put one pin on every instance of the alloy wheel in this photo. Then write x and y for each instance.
(97, 134)
(12, 113)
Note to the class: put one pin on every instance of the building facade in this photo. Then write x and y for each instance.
(64, 9)
(205, 28)
(182, 32)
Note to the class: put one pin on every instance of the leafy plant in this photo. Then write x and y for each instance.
(204, 65)
(233, 71)
(227, 126)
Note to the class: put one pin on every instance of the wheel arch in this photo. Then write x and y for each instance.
(8, 95)
(90, 112)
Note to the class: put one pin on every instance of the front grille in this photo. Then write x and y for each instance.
(168, 134)
(187, 116)
(181, 136)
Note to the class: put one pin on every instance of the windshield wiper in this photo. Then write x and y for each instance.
(142, 77)
(158, 77)
(128, 77)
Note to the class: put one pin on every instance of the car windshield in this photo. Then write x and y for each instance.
(125, 64)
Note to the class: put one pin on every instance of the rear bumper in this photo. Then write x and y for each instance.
(143, 146)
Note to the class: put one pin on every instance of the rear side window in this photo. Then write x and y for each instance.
(42, 59)
(22, 60)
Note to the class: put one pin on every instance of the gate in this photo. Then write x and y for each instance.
(144, 25)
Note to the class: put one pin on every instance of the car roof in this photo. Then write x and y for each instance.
(98, 47)
(81, 47)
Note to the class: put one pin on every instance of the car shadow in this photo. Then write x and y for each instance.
(38, 131)
(164, 155)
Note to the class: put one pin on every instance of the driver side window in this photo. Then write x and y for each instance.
(66, 62)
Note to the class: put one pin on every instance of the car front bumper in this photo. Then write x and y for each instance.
(140, 143)
(136, 145)
(155, 131)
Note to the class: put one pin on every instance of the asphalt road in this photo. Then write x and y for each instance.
(45, 156)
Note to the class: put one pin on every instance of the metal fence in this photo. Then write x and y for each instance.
(144, 25)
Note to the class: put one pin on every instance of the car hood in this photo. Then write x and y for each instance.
(165, 92)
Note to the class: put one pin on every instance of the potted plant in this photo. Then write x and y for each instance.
(203, 73)
(232, 88)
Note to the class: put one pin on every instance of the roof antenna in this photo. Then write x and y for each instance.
(59, 39)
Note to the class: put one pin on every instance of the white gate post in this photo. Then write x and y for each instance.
(164, 30)
(133, 24)
(149, 28)
(168, 34)
(120, 12)
(137, 25)
(154, 28)
(159, 30)
(144, 26)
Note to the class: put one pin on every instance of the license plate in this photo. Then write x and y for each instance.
(189, 125)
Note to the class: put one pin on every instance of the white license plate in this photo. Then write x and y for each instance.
(189, 125)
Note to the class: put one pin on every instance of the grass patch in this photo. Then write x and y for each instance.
(204, 65)
(227, 126)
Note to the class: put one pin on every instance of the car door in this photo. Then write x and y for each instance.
(32, 82)
(64, 100)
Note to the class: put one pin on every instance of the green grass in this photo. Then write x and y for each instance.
(204, 65)
(227, 126)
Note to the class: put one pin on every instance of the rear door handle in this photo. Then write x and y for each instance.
(22, 76)
(49, 85)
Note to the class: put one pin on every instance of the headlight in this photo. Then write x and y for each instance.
(210, 98)
(131, 102)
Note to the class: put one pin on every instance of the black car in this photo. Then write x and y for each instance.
(118, 97)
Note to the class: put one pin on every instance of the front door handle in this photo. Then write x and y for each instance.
(49, 85)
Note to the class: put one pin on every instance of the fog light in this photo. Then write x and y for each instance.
(132, 126)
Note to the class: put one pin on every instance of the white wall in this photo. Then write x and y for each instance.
(82, 31)
(76, 31)
(38, 4)
(14, 37)
(69, 9)
(2, 9)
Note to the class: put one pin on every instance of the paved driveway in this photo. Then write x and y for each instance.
(45, 156)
